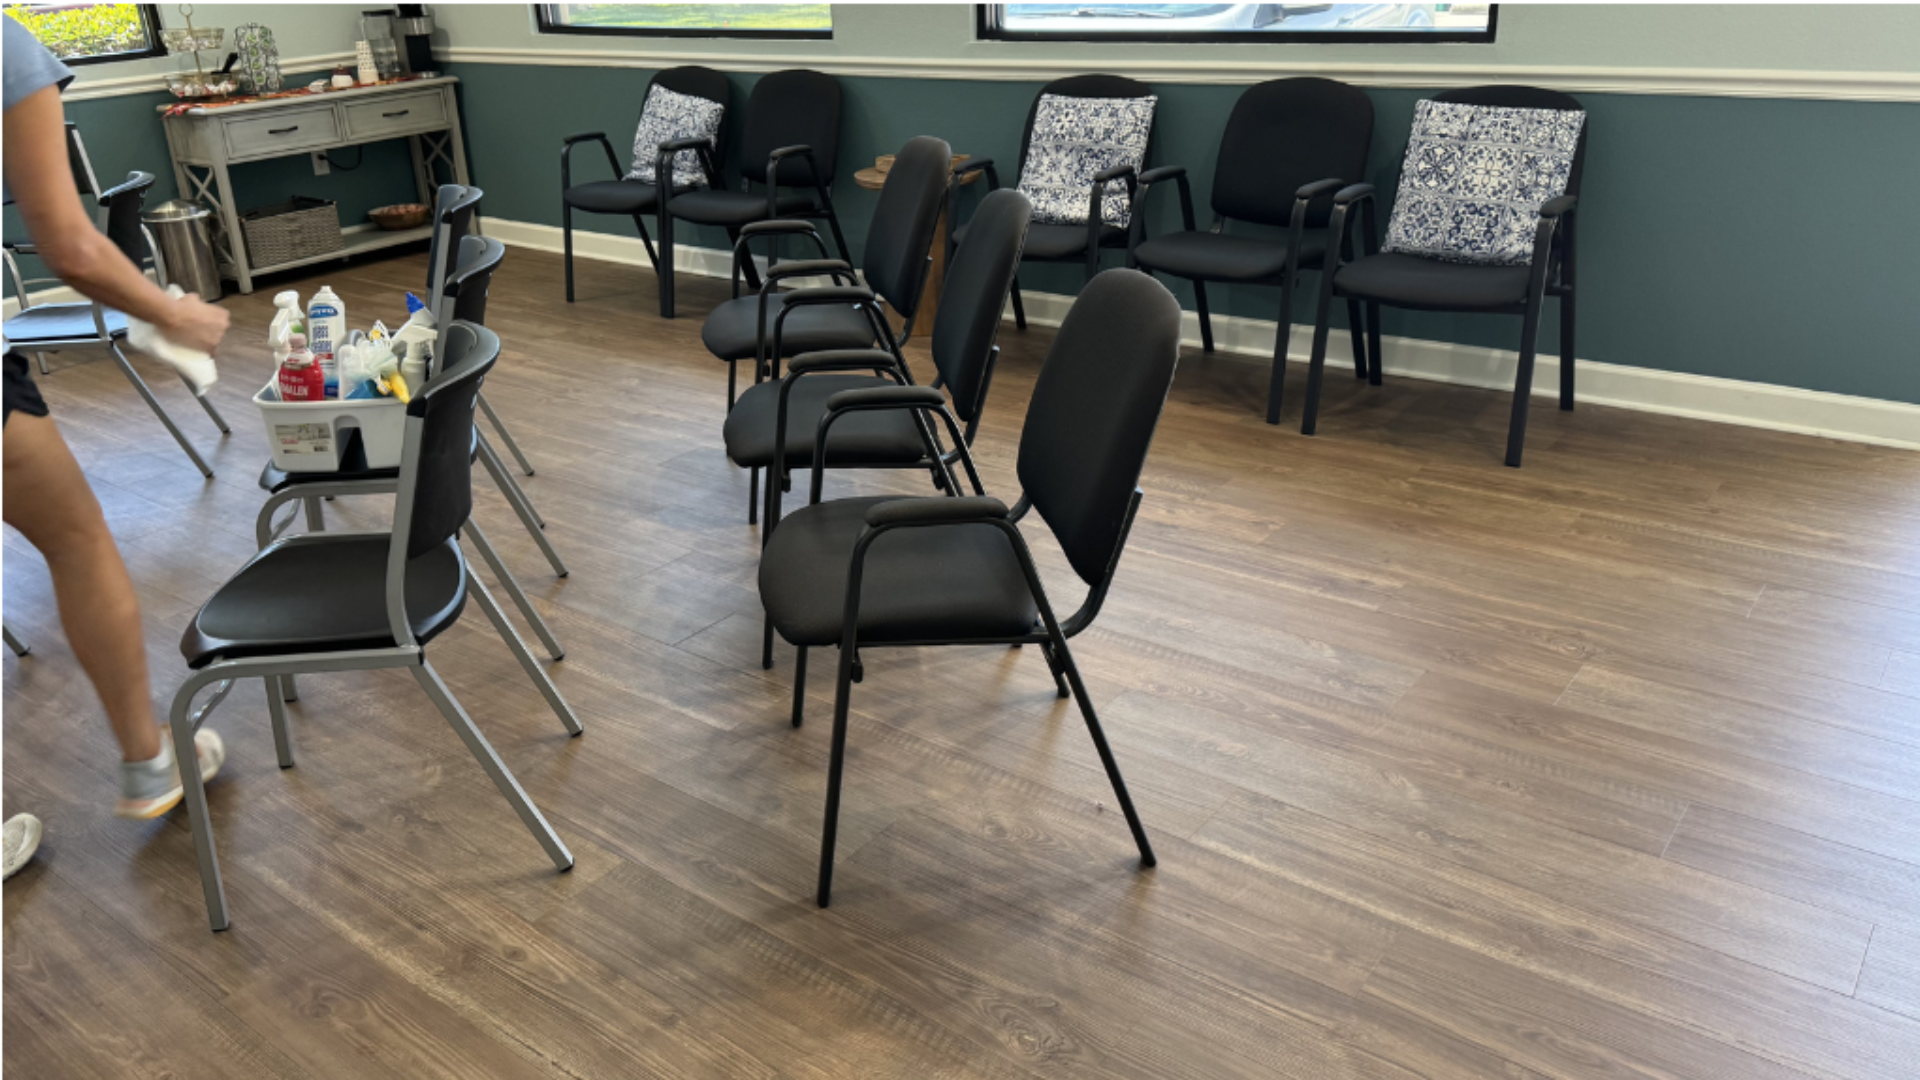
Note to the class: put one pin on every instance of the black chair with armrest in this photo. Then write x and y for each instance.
(955, 570)
(86, 324)
(1288, 146)
(1047, 241)
(621, 196)
(772, 325)
(1431, 284)
(790, 147)
(323, 602)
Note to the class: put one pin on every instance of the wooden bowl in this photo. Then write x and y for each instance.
(402, 216)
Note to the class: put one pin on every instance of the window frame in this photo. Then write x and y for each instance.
(544, 25)
(149, 18)
(988, 17)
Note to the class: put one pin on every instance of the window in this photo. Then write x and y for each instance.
(1241, 23)
(93, 33)
(688, 20)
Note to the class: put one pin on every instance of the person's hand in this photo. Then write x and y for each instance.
(196, 324)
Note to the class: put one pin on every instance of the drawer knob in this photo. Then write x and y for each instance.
(391, 115)
(284, 130)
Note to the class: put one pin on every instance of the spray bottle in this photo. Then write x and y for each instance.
(300, 378)
(326, 329)
(286, 320)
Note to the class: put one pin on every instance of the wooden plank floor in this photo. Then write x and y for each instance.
(1605, 767)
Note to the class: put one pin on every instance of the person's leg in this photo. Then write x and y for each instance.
(49, 501)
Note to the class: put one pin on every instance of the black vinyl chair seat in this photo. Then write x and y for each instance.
(732, 330)
(1210, 256)
(709, 206)
(61, 322)
(1412, 281)
(881, 437)
(611, 196)
(324, 592)
(1054, 242)
(944, 583)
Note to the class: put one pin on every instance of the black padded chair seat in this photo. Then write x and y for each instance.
(1210, 256)
(323, 592)
(937, 583)
(1414, 282)
(1057, 241)
(710, 207)
(611, 196)
(877, 437)
(61, 322)
(732, 330)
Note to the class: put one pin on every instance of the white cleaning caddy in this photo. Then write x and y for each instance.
(310, 436)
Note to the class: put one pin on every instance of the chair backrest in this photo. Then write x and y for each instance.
(436, 464)
(480, 256)
(122, 203)
(453, 208)
(1283, 135)
(789, 108)
(1527, 97)
(1094, 408)
(975, 295)
(702, 82)
(1086, 86)
(895, 258)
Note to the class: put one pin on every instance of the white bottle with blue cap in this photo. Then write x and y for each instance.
(326, 330)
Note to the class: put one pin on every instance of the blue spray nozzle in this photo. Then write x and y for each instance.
(414, 304)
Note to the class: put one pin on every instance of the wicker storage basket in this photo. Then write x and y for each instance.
(297, 229)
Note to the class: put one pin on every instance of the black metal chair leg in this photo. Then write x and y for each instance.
(1282, 341)
(1566, 352)
(663, 266)
(799, 684)
(753, 495)
(1019, 309)
(1317, 362)
(1373, 344)
(1053, 665)
(1523, 386)
(836, 765)
(1356, 329)
(1206, 317)
(1120, 795)
(566, 244)
(766, 645)
(646, 240)
(839, 238)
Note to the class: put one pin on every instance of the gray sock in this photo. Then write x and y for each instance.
(149, 779)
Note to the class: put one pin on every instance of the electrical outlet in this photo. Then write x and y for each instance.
(321, 166)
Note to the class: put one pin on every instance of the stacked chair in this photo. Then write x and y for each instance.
(45, 328)
(791, 141)
(1095, 136)
(1447, 270)
(773, 325)
(626, 195)
(331, 601)
(870, 573)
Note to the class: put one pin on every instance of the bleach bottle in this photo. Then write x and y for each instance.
(326, 330)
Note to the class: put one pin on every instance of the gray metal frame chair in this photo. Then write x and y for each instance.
(276, 618)
(44, 328)
(955, 570)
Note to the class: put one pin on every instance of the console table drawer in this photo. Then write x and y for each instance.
(284, 130)
(397, 115)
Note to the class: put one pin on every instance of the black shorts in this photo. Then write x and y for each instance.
(21, 394)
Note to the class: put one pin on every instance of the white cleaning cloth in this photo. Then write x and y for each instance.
(196, 366)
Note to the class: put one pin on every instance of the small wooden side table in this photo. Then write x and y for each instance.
(873, 179)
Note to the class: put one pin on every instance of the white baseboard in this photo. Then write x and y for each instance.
(1700, 397)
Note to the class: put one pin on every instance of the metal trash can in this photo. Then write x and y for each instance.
(183, 241)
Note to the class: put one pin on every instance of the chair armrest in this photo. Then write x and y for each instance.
(583, 136)
(841, 360)
(1558, 206)
(936, 510)
(887, 397)
(778, 226)
(804, 268)
(789, 151)
(1164, 172)
(690, 142)
(831, 294)
(19, 248)
(1115, 173)
(566, 155)
(1137, 225)
(1352, 193)
(972, 165)
(1310, 192)
(703, 150)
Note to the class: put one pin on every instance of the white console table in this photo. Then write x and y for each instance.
(206, 140)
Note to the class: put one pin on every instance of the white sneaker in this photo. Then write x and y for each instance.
(22, 836)
(151, 788)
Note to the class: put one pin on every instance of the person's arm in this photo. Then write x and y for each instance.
(64, 234)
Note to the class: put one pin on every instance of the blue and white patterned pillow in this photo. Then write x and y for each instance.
(1475, 177)
(668, 116)
(1075, 138)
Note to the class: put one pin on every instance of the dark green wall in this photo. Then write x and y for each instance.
(1767, 240)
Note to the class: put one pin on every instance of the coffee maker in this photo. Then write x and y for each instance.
(416, 29)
